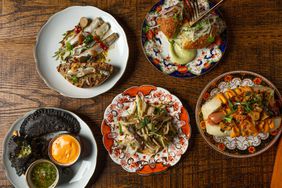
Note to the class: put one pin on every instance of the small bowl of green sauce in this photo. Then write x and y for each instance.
(42, 174)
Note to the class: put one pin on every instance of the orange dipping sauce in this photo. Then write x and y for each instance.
(65, 149)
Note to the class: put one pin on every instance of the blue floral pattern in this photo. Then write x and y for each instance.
(155, 47)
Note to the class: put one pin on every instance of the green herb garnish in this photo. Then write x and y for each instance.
(146, 29)
(211, 39)
(247, 106)
(25, 151)
(88, 39)
(228, 118)
(74, 79)
(120, 128)
(56, 54)
(231, 106)
(175, 16)
(157, 110)
(199, 26)
(145, 121)
(69, 47)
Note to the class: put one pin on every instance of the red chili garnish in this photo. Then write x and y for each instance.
(103, 46)
(77, 29)
(96, 38)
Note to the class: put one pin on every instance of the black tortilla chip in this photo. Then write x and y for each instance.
(14, 147)
(44, 121)
(37, 149)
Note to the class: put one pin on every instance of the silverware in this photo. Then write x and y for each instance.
(192, 7)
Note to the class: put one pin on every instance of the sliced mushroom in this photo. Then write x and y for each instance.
(94, 25)
(83, 22)
(102, 30)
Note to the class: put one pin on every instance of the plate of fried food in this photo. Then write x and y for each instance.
(178, 49)
(47, 148)
(239, 114)
(81, 52)
(146, 130)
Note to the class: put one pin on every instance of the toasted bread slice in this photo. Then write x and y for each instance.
(85, 75)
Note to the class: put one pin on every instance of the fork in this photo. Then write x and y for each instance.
(193, 10)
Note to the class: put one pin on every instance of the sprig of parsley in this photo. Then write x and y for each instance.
(88, 39)
(211, 39)
(74, 79)
(69, 47)
(228, 118)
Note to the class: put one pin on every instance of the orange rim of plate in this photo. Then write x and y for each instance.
(106, 130)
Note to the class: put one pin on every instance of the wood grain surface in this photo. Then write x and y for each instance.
(255, 38)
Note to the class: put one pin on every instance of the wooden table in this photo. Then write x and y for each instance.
(255, 38)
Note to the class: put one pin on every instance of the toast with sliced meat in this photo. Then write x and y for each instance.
(85, 75)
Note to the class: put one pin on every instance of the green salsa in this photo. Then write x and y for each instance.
(43, 175)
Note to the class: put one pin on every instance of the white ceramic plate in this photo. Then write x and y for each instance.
(82, 170)
(48, 42)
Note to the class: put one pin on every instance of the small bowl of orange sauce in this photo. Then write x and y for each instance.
(64, 149)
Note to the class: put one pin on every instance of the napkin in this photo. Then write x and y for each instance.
(276, 181)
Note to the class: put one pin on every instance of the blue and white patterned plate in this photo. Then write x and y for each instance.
(156, 46)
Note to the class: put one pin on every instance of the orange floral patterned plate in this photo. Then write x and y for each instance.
(239, 147)
(137, 162)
